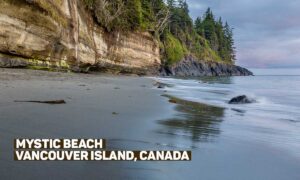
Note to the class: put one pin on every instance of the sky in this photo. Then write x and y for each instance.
(266, 32)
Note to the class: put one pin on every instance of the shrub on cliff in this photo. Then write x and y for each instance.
(218, 35)
(169, 21)
(113, 15)
(174, 49)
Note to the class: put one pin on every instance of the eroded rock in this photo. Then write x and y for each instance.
(67, 38)
(191, 67)
(243, 99)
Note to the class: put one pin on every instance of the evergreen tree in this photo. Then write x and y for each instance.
(170, 23)
(229, 42)
(219, 36)
(209, 28)
(134, 13)
(171, 3)
(199, 27)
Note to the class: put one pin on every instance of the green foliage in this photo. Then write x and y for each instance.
(220, 37)
(173, 48)
(147, 14)
(206, 38)
(201, 49)
(151, 13)
(122, 15)
(190, 35)
(89, 3)
(133, 14)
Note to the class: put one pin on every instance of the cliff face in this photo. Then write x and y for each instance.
(62, 34)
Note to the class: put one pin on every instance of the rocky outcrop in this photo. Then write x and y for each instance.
(192, 67)
(243, 99)
(62, 34)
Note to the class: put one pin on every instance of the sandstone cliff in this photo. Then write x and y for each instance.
(62, 34)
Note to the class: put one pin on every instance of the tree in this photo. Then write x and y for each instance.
(107, 11)
(170, 23)
(229, 42)
(221, 39)
(156, 16)
(219, 36)
(209, 28)
(171, 3)
(134, 13)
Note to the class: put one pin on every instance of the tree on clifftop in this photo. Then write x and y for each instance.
(219, 36)
(170, 23)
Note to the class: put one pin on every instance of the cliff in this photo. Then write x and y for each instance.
(62, 34)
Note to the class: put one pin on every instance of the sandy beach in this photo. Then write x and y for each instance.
(131, 113)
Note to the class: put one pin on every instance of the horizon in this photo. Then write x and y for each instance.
(266, 33)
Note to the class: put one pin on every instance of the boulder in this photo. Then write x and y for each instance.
(161, 85)
(243, 99)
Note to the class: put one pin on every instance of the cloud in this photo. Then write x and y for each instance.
(266, 32)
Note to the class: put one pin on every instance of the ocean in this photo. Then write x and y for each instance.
(272, 121)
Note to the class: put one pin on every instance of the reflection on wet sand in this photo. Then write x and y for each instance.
(199, 122)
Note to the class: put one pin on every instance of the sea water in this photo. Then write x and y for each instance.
(273, 120)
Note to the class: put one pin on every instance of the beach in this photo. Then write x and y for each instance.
(131, 113)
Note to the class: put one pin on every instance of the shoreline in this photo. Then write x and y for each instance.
(120, 109)
(186, 68)
(131, 113)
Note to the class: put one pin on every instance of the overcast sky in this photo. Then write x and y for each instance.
(266, 32)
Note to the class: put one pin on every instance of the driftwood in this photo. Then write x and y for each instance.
(47, 102)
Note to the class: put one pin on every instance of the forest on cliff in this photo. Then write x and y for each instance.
(206, 38)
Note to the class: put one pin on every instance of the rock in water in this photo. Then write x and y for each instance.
(160, 85)
(241, 100)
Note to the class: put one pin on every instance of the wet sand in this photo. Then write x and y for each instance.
(131, 114)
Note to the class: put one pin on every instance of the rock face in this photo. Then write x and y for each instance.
(192, 67)
(62, 34)
(241, 100)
